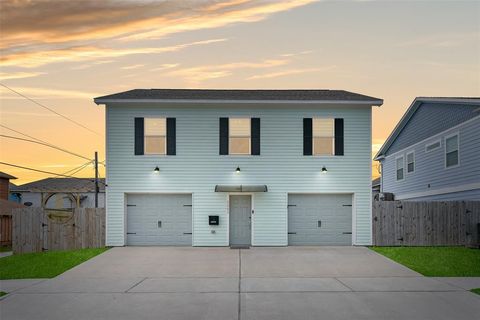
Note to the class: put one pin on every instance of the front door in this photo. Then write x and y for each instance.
(240, 220)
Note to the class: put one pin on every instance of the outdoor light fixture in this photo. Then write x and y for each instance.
(156, 170)
(324, 169)
(237, 170)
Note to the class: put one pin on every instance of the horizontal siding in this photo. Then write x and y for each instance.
(431, 118)
(430, 166)
(197, 167)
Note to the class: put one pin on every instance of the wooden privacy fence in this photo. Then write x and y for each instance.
(435, 223)
(37, 230)
(5, 230)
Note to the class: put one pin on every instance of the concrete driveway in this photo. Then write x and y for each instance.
(259, 283)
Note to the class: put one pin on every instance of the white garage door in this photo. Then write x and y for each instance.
(320, 219)
(154, 219)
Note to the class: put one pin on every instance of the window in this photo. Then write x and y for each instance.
(323, 132)
(410, 162)
(239, 136)
(400, 168)
(451, 151)
(432, 146)
(155, 135)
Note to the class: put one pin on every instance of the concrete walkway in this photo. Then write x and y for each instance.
(260, 283)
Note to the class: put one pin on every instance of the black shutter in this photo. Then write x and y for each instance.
(307, 136)
(171, 137)
(339, 137)
(255, 136)
(139, 136)
(223, 136)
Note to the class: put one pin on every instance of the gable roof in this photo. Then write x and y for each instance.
(4, 175)
(238, 96)
(60, 185)
(411, 111)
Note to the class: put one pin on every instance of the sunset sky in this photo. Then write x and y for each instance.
(65, 53)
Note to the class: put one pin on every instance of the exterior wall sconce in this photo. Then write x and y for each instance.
(156, 170)
(324, 169)
(237, 170)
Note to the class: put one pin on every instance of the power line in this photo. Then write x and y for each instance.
(79, 167)
(37, 170)
(49, 109)
(44, 144)
(47, 172)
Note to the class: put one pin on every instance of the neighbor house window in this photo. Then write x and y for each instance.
(451, 151)
(155, 135)
(410, 162)
(323, 131)
(239, 135)
(432, 146)
(400, 169)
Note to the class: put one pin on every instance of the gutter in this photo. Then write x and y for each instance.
(376, 103)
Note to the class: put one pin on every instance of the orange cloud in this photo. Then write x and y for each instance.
(39, 58)
(289, 72)
(202, 73)
(66, 28)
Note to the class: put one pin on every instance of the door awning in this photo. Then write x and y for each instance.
(241, 188)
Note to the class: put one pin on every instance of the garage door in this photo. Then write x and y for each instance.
(319, 219)
(159, 219)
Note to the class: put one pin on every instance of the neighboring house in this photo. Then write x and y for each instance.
(5, 184)
(434, 151)
(60, 193)
(6, 208)
(376, 186)
(238, 167)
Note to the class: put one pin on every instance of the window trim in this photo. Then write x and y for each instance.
(249, 137)
(333, 138)
(439, 141)
(403, 167)
(457, 134)
(145, 137)
(406, 162)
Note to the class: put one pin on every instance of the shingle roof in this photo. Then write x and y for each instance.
(4, 175)
(61, 185)
(238, 95)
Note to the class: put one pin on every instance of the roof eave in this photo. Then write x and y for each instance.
(375, 102)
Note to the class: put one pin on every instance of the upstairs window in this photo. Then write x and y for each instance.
(400, 168)
(323, 132)
(239, 139)
(451, 151)
(155, 135)
(410, 162)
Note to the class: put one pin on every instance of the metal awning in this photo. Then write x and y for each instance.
(241, 188)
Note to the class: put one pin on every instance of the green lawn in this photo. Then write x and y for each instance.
(436, 261)
(45, 264)
(2, 293)
(477, 291)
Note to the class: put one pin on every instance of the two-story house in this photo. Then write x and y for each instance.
(434, 151)
(238, 167)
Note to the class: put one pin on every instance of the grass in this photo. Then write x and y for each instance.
(436, 261)
(2, 293)
(44, 264)
(477, 291)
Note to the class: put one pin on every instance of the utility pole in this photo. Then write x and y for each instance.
(96, 179)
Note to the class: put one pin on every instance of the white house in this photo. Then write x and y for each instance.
(238, 167)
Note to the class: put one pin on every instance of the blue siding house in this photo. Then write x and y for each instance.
(434, 151)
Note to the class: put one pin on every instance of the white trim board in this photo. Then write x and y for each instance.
(227, 101)
(464, 187)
